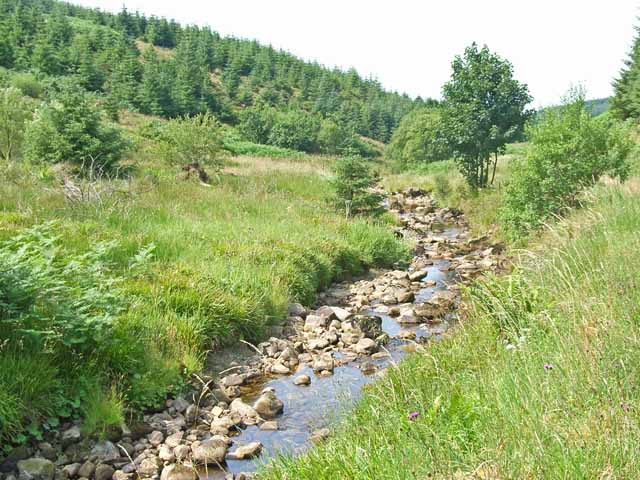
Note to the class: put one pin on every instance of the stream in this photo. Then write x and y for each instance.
(310, 408)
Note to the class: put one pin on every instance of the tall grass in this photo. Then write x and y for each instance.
(538, 381)
(199, 266)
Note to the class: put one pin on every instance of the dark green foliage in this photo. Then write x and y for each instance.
(484, 109)
(626, 98)
(420, 138)
(569, 150)
(353, 183)
(202, 73)
(70, 129)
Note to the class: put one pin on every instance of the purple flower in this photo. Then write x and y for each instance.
(413, 415)
(548, 366)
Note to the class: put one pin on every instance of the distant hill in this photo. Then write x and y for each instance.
(157, 66)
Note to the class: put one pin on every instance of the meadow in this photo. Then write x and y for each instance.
(190, 267)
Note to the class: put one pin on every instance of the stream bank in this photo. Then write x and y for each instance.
(281, 395)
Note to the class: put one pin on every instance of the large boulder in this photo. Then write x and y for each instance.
(36, 469)
(244, 452)
(323, 362)
(268, 405)
(211, 451)
(246, 412)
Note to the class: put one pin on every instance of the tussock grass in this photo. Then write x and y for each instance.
(489, 408)
(222, 262)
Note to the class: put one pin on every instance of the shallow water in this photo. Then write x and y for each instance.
(309, 408)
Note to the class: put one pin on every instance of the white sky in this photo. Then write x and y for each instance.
(408, 45)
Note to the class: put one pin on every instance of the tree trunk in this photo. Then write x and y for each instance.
(495, 165)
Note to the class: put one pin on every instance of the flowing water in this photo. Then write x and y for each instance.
(309, 408)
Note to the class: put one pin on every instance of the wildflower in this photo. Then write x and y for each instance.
(625, 406)
(413, 415)
(548, 366)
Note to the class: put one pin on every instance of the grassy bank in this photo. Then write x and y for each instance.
(538, 381)
(177, 268)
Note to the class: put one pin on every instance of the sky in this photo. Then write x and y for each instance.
(409, 45)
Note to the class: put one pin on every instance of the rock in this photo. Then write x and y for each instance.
(366, 346)
(120, 475)
(178, 472)
(302, 380)
(36, 469)
(246, 412)
(104, 472)
(341, 314)
(87, 469)
(405, 297)
(72, 435)
(380, 355)
(268, 405)
(212, 451)
(280, 369)
(314, 321)
(155, 438)
(182, 452)
(105, 452)
(191, 414)
(174, 439)
(71, 470)
(318, 344)
(180, 404)
(271, 425)
(233, 380)
(418, 275)
(369, 325)
(326, 312)
(406, 334)
(323, 362)
(148, 467)
(320, 435)
(165, 453)
(245, 476)
(368, 368)
(243, 452)
(408, 315)
(296, 310)
(47, 451)
(350, 338)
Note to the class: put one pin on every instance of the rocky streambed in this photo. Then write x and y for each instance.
(281, 396)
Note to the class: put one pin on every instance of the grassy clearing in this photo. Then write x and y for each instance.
(538, 381)
(197, 267)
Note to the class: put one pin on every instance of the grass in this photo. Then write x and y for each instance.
(489, 408)
(198, 266)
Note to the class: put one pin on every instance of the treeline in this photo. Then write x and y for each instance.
(159, 67)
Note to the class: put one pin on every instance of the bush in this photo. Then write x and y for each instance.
(352, 183)
(70, 129)
(569, 151)
(419, 138)
(188, 140)
(297, 130)
(15, 112)
(28, 84)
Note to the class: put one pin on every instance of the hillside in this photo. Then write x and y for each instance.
(191, 70)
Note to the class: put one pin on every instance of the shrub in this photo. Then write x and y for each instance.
(569, 151)
(420, 138)
(70, 129)
(188, 140)
(15, 112)
(28, 84)
(352, 184)
(297, 130)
